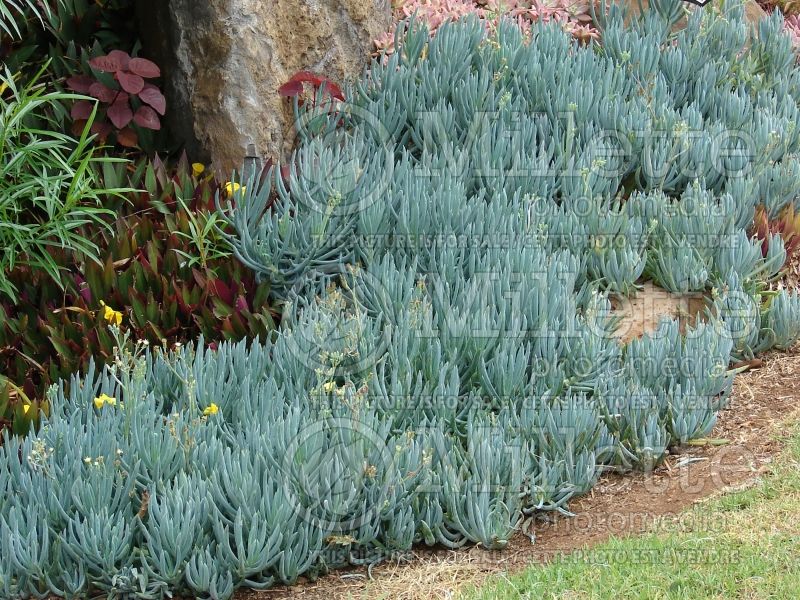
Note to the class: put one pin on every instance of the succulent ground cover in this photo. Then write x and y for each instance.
(705, 488)
(443, 247)
(722, 548)
(790, 10)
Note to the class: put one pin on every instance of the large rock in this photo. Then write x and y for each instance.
(223, 61)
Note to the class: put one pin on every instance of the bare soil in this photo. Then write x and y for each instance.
(645, 310)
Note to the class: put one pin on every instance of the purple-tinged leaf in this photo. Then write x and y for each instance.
(81, 110)
(101, 129)
(152, 95)
(103, 93)
(127, 137)
(146, 117)
(291, 89)
(130, 82)
(120, 114)
(144, 68)
(116, 60)
(80, 83)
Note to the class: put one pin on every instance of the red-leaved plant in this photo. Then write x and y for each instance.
(322, 99)
(296, 86)
(786, 224)
(125, 99)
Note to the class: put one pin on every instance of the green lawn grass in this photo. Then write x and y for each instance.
(745, 545)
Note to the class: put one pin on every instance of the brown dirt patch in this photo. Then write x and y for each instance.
(643, 312)
(619, 505)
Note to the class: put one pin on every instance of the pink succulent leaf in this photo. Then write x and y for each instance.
(333, 90)
(791, 25)
(294, 87)
(291, 89)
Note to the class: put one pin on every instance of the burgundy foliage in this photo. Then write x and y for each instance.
(128, 102)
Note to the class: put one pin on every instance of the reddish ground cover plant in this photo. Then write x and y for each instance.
(792, 25)
(787, 225)
(573, 15)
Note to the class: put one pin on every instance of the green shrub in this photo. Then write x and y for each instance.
(49, 189)
(67, 33)
(14, 15)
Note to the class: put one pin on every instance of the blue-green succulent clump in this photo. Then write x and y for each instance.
(446, 367)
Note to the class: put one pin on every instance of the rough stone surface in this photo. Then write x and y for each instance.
(223, 61)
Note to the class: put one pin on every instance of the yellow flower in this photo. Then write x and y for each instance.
(103, 399)
(197, 169)
(4, 85)
(211, 410)
(232, 188)
(25, 408)
(329, 387)
(112, 316)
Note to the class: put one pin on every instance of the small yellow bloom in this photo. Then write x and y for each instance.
(112, 316)
(197, 169)
(4, 85)
(211, 410)
(328, 387)
(104, 399)
(232, 188)
(25, 408)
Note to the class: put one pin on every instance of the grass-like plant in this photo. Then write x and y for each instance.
(167, 274)
(12, 13)
(49, 187)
